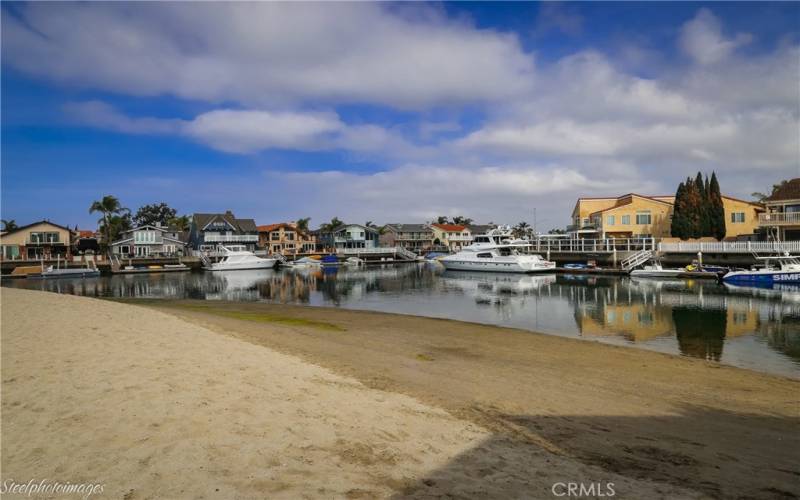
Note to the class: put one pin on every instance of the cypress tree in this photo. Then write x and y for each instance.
(704, 212)
(716, 209)
(693, 209)
(678, 228)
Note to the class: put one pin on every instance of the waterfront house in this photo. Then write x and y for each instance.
(208, 231)
(453, 236)
(415, 237)
(347, 236)
(781, 218)
(476, 229)
(40, 240)
(285, 238)
(149, 241)
(638, 216)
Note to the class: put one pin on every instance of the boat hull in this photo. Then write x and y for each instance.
(66, 273)
(244, 266)
(495, 267)
(761, 277)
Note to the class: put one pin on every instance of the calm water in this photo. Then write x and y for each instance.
(752, 328)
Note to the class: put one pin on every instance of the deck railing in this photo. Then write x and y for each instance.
(730, 246)
(230, 238)
(607, 245)
(779, 218)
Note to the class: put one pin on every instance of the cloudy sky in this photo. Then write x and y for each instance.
(390, 112)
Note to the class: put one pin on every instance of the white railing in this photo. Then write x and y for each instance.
(730, 246)
(229, 238)
(779, 218)
(459, 238)
(607, 245)
(363, 251)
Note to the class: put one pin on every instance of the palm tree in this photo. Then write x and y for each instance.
(331, 226)
(302, 224)
(9, 225)
(521, 229)
(442, 219)
(109, 206)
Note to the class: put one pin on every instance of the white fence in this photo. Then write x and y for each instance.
(730, 246)
(609, 245)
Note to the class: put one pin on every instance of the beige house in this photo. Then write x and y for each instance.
(285, 238)
(40, 240)
(638, 216)
(453, 236)
(781, 217)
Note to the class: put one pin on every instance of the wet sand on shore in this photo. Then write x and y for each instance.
(673, 422)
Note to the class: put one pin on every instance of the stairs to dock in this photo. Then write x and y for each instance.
(406, 253)
(637, 259)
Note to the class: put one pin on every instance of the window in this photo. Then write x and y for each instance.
(626, 220)
(586, 222)
(275, 236)
(10, 251)
(737, 217)
(610, 220)
(643, 217)
(484, 256)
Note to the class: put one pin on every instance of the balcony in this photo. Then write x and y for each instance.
(230, 238)
(459, 238)
(779, 219)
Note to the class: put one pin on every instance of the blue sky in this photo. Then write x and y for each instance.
(390, 112)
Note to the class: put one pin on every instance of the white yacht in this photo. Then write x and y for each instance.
(497, 251)
(655, 270)
(237, 258)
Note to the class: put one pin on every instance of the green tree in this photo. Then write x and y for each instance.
(693, 209)
(108, 206)
(333, 225)
(704, 214)
(461, 220)
(9, 225)
(181, 223)
(679, 223)
(716, 209)
(442, 219)
(521, 230)
(160, 213)
(302, 224)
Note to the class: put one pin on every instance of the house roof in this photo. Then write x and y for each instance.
(86, 233)
(481, 228)
(45, 221)
(243, 225)
(272, 227)
(450, 228)
(788, 191)
(408, 228)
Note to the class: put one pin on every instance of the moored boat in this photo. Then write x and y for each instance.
(497, 251)
(785, 269)
(655, 270)
(240, 259)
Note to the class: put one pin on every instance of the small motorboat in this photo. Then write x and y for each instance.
(785, 269)
(655, 270)
(330, 260)
(65, 272)
(354, 262)
(303, 262)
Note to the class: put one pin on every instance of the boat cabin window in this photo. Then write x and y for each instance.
(484, 255)
(481, 239)
(505, 251)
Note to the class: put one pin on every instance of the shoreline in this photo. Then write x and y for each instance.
(641, 414)
(182, 397)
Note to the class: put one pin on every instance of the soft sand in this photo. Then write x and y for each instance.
(157, 407)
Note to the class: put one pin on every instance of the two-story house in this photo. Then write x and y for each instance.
(285, 238)
(347, 237)
(781, 218)
(149, 241)
(415, 237)
(453, 236)
(208, 231)
(638, 216)
(40, 240)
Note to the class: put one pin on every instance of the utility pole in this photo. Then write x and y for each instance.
(534, 221)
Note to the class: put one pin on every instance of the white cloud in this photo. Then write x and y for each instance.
(245, 131)
(263, 53)
(702, 39)
(102, 115)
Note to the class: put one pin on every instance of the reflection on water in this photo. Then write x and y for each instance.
(748, 327)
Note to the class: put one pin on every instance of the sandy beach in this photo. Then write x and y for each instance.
(190, 399)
